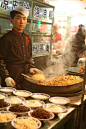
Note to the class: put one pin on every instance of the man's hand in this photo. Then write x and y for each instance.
(35, 70)
(10, 82)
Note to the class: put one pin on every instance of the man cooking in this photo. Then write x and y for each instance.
(16, 50)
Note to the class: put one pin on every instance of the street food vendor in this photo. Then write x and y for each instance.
(74, 47)
(16, 50)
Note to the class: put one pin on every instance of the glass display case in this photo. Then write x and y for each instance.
(39, 23)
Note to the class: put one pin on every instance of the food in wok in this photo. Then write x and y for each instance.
(63, 80)
(39, 77)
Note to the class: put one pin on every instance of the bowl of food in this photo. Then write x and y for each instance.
(18, 109)
(7, 89)
(41, 114)
(22, 93)
(3, 96)
(59, 100)
(55, 108)
(3, 105)
(33, 103)
(40, 96)
(82, 69)
(14, 100)
(26, 123)
(6, 116)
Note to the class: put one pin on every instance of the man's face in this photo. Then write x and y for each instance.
(19, 22)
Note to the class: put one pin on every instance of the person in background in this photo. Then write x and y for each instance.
(16, 50)
(74, 47)
(78, 45)
(56, 38)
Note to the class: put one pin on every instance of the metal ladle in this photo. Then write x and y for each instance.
(37, 81)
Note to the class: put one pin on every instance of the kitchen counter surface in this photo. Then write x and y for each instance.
(61, 118)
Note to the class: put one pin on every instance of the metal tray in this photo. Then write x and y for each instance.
(74, 71)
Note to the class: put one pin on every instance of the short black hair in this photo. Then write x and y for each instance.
(80, 27)
(13, 13)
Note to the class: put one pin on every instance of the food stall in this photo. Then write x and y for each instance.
(70, 117)
(63, 114)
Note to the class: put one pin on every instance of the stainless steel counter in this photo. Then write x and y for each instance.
(61, 118)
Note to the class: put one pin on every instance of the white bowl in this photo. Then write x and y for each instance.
(19, 113)
(40, 96)
(55, 108)
(24, 120)
(14, 100)
(8, 114)
(7, 89)
(59, 100)
(51, 117)
(3, 96)
(22, 93)
(33, 103)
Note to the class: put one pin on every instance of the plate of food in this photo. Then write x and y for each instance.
(41, 114)
(55, 108)
(59, 100)
(14, 100)
(3, 105)
(3, 95)
(6, 116)
(33, 103)
(22, 93)
(18, 109)
(7, 89)
(26, 123)
(76, 70)
(40, 96)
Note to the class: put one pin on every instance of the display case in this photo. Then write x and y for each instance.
(39, 23)
(41, 28)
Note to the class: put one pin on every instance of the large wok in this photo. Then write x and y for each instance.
(52, 90)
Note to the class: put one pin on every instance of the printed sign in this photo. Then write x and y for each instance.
(34, 48)
(41, 48)
(6, 5)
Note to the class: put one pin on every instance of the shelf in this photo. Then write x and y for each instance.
(43, 3)
(40, 55)
(38, 34)
(4, 16)
(36, 21)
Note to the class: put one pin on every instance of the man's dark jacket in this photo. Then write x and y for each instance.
(15, 55)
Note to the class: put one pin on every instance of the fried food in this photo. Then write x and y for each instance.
(82, 69)
(39, 77)
(41, 113)
(64, 80)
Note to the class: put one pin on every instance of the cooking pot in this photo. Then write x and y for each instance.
(51, 90)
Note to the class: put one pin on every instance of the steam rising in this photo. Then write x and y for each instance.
(66, 60)
(70, 55)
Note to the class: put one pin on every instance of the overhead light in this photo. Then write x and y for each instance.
(10, 5)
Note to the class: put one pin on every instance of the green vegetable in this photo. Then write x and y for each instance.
(33, 101)
(53, 106)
